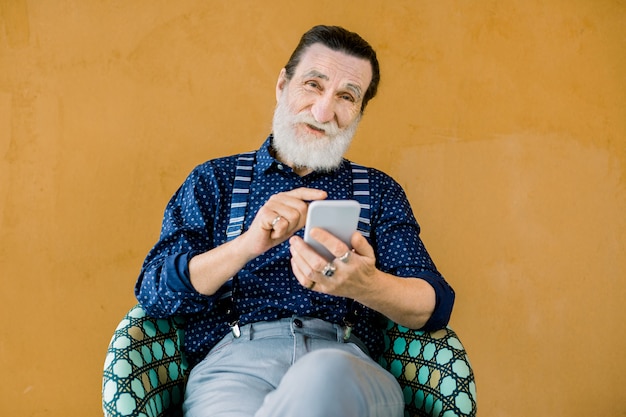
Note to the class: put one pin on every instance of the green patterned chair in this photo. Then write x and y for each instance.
(145, 373)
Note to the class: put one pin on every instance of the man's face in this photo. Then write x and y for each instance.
(319, 108)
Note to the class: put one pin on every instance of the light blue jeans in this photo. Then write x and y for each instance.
(296, 367)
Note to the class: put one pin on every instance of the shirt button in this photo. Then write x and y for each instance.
(297, 323)
(280, 166)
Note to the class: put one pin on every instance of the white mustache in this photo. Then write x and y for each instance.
(330, 128)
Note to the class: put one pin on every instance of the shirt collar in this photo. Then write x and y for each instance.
(265, 161)
(264, 158)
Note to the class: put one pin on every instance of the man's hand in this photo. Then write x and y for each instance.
(354, 269)
(279, 218)
(353, 274)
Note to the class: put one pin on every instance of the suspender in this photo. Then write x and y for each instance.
(241, 191)
(239, 205)
(361, 193)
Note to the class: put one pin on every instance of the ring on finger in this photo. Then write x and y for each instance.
(345, 257)
(329, 269)
(276, 220)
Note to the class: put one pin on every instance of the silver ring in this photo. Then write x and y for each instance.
(276, 220)
(345, 257)
(329, 269)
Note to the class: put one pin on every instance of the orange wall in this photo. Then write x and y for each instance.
(504, 120)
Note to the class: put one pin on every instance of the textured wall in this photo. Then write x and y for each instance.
(504, 120)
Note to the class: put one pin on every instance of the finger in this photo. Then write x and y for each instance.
(292, 206)
(278, 226)
(307, 194)
(275, 221)
(305, 282)
(345, 258)
(278, 214)
(334, 245)
(292, 210)
(310, 262)
(361, 245)
(297, 198)
(306, 279)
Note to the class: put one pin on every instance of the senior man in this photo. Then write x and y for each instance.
(273, 328)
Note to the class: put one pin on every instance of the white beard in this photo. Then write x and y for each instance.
(308, 151)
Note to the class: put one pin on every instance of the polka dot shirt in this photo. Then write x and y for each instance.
(196, 219)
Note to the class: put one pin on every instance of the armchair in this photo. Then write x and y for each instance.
(145, 372)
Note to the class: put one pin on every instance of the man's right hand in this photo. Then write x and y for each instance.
(279, 218)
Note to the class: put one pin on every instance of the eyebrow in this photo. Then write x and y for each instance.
(355, 89)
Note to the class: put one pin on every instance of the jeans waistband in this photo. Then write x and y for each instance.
(307, 326)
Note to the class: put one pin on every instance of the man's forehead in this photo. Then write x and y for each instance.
(325, 63)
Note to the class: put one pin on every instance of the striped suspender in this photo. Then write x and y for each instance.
(241, 191)
(361, 193)
(239, 204)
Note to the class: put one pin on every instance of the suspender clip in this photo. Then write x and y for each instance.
(347, 332)
(234, 328)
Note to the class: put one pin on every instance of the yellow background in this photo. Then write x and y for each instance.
(504, 120)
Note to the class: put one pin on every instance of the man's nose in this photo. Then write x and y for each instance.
(323, 109)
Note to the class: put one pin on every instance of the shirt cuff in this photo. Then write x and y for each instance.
(176, 272)
(444, 296)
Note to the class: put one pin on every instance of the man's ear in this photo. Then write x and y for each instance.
(281, 83)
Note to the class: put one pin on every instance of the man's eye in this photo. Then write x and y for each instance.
(312, 84)
(347, 97)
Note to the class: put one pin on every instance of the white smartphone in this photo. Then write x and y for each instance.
(338, 217)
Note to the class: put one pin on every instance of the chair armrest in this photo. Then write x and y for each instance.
(144, 371)
(433, 370)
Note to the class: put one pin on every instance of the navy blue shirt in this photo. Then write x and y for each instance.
(195, 221)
